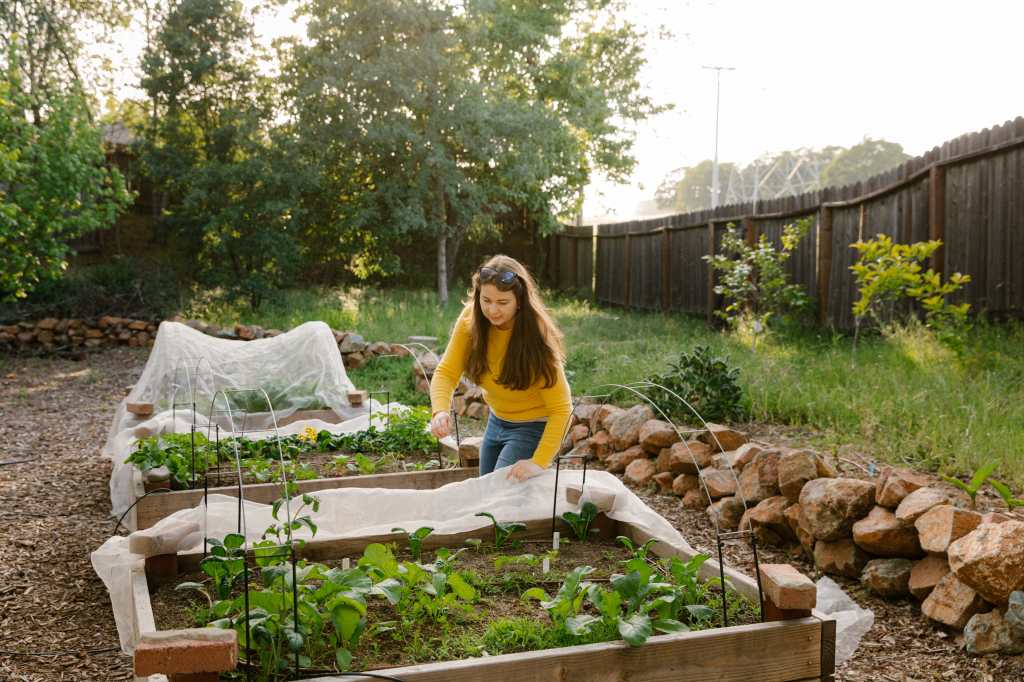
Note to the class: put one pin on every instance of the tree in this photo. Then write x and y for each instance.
(692, 191)
(861, 161)
(229, 183)
(432, 118)
(54, 186)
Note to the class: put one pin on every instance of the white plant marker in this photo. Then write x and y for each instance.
(346, 564)
(546, 565)
(554, 540)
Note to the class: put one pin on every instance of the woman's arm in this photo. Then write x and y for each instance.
(449, 371)
(558, 400)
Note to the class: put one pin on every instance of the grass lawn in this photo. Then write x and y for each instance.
(903, 399)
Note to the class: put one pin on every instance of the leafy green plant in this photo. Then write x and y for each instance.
(503, 530)
(415, 539)
(527, 559)
(638, 551)
(753, 278)
(977, 480)
(224, 564)
(889, 274)
(297, 521)
(361, 464)
(1007, 494)
(580, 522)
(706, 381)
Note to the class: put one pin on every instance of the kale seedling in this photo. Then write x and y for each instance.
(415, 539)
(580, 522)
(502, 530)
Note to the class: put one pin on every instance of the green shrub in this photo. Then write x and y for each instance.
(753, 278)
(705, 381)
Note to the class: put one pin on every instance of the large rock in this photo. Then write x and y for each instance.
(830, 506)
(768, 521)
(583, 414)
(941, 525)
(1015, 612)
(759, 480)
(882, 534)
(990, 633)
(741, 456)
(895, 484)
(578, 433)
(796, 467)
(990, 560)
(927, 573)
(889, 578)
(687, 457)
(684, 483)
(618, 461)
(719, 483)
(722, 438)
(601, 445)
(625, 427)
(664, 481)
(802, 533)
(354, 343)
(696, 499)
(640, 471)
(840, 557)
(602, 416)
(921, 500)
(728, 511)
(656, 434)
(952, 602)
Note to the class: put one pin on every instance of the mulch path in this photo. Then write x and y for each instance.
(55, 614)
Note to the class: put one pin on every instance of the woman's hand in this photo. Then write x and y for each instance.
(441, 425)
(523, 469)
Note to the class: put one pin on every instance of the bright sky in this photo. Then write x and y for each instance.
(810, 73)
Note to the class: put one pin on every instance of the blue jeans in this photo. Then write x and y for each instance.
(505, 442)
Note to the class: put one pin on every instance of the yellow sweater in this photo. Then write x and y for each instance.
(536, 402)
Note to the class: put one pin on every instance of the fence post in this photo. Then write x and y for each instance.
(628, 270)
(666, 264)
(824, 260)
(937, 215)
(711, 270)
(751, 230)
(573, 264)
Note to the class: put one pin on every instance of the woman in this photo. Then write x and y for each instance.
(506, 342)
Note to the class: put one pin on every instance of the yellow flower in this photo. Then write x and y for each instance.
(308, 434)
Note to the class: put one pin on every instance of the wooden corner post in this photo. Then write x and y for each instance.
(824, 260)
(937, 215)
(628, 269)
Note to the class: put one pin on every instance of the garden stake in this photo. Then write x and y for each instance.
(757, 572)
(721, 577)
(295, 599)
(245, 586)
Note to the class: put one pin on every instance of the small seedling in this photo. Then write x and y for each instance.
(639, 551)
(502, 530)
(1007, 495)
(580, 522)
(416, 539)
(977, 480)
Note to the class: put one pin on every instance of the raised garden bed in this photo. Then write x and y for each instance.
(801, 648)
(402, 455)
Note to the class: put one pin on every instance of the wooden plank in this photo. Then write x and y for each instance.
(828, 650)
(628, 261)
(141, 604)
(784, 651)
(937, 215)
(151, 509)
(711, 271)
(666, 270)
(824, 261)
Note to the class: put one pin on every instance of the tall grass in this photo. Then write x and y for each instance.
(901, 398)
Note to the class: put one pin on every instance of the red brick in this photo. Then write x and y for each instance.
(206, 650)
(787, 588)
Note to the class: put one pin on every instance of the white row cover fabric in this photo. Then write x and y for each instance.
(362, 512)
(299, 370)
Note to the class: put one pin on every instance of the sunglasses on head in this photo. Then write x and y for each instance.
(504, 277)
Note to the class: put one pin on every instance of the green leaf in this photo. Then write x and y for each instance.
(293, 639)
(190, 586)
(391, 589)
(535, 593)
(461, 588)
(346, 621)
(983, 473)
(580, 625)
(636, 629)
(343, 657)
(669, 626)
(234, 541)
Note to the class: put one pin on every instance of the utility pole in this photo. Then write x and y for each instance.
(714, 167)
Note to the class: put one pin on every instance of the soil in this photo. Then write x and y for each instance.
(499, 589)
(55, 614)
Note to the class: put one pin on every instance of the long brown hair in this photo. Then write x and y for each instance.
(535, 347)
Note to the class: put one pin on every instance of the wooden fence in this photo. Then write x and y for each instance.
(969, 193)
